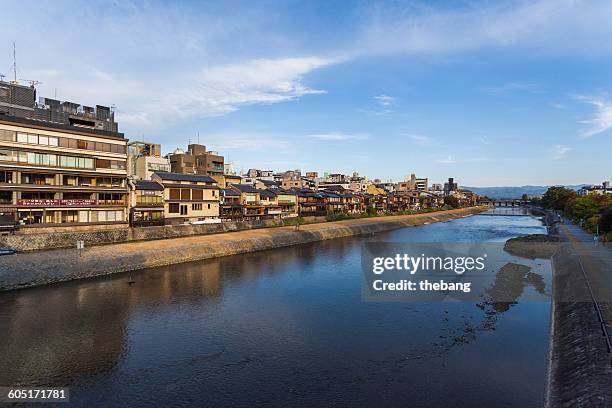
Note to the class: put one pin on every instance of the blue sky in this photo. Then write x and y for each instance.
(491, 93)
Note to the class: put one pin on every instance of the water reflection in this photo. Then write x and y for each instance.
(283, 327)
(53, 335)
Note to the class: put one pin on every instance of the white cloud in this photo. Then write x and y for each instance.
(512, 87)
(601, 120)
(337, 136)
(248, 141)
(385, 100)
(559, 152)
(147, 104)
(548, 26)
(446, 160)
(420, 139)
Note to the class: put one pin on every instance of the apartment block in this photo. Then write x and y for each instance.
(413, 183)
(61, 164)
(144, 159)
(197, 160)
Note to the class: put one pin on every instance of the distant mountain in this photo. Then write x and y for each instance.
(514, 192)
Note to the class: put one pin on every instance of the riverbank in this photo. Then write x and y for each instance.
(579, 358)
(45, 267)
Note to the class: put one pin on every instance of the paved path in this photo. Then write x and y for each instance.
(581, 359)
(596, 262)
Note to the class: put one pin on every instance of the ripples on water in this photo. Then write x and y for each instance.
(285, 327)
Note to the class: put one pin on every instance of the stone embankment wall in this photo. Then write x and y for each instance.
(44, 267)
(36, 240)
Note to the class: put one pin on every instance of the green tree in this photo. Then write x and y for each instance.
(605, 219)
(583, 208)
(451, 201)
(557, 198)
(525, 197)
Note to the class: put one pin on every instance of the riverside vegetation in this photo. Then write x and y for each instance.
(593, 212)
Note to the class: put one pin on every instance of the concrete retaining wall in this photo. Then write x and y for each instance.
(44, 267)
(65, 238)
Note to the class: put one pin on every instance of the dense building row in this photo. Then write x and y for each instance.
(64, 164)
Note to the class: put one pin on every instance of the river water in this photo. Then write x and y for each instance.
(285, 327)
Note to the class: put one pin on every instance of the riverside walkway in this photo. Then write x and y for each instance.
(581, 351)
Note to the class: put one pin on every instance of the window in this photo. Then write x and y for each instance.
(38, 179)
(43, 140)
(53, 141)
(77, 196)
(7, 136)
(103, 164)
(175, 194)
(110, 199)
(117, 148)
(196, 207)
(173, 208)
(87, 181)
(70, 216)
(103, 147)
(209, 206)
(69, 161)
(183, 210)
(185, 194)
(22, 137)
(81, 144)
(6, 197)
(6, 155)
(37, 195)
(70, 181)
(6, 177)
(148, 199)
(197, 194)
(117, 165)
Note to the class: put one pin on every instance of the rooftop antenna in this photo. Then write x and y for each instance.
(2, 77)
(32, 82)
(198, 137)
(14, 64)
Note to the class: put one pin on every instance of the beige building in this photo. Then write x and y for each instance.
(293, 182)
(146, 203)
(413, 183)
(197, 160)
(66, 172)
(144, 159)
(189, 198)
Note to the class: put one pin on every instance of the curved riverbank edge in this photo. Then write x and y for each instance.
(579, 363)
(31, 269)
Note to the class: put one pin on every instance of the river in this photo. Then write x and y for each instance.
(284, 327)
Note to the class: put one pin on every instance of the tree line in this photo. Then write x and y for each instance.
(593, 211)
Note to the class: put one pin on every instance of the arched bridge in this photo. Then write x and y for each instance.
(505, 203)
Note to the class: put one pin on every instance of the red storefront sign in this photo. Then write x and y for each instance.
(55, 203)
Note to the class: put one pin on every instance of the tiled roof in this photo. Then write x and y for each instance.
(228, 192)
(267, 193)
(148, 185)
(244, 188)
(184, 177)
